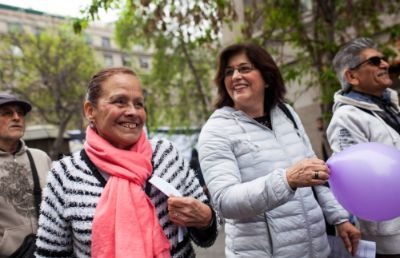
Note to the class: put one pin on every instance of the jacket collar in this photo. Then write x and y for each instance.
(19, 151)
(363, 100)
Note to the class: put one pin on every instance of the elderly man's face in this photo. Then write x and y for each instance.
(370, 78)
(12, 122)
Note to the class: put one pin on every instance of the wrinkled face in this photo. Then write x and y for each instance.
(245, 89)
(12, 122)
(119, 116)
(371, 78)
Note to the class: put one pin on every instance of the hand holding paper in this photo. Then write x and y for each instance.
(366, 249)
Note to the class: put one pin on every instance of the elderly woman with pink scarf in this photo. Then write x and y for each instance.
(98, 201)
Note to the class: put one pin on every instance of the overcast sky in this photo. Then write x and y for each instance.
(60, 7)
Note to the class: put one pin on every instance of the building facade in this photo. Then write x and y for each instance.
(98, 36)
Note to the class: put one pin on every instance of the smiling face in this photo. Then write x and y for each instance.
(12, 125)
(119, 115)
(246, 90)
(369, 78)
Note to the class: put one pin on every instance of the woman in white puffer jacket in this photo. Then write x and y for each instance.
(259, 168)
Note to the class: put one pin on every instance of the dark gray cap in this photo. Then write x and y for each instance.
(10, 99)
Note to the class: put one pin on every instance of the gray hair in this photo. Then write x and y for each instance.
(350, 56)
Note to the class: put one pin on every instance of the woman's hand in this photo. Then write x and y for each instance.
(302, 174)
(189, 212)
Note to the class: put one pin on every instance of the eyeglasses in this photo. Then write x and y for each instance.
(375, 60)
(8, 113)
(243, 69)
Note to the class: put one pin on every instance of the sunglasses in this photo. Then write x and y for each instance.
(8, 113)
(375, 60)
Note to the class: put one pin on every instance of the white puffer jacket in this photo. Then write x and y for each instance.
(349, 126)
(244, 165)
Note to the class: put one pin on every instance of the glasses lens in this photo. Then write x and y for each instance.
(384, 58)
(245, 69)
(375, 60)
(7, 113)
(10, 113)
(21, 113)
(228, 72)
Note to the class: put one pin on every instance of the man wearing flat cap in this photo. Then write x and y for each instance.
(18, 215)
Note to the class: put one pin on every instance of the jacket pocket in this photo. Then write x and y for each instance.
(244, 148)
(13, 238)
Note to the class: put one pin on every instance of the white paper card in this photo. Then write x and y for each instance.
(168, 189)
(366, 249)
(164, 186)
(181, 232)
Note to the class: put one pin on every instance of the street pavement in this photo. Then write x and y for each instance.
(215, 251)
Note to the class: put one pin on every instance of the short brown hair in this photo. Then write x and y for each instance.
(262, 61)
(95, 90)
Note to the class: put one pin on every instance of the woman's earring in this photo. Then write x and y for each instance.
(91, 124)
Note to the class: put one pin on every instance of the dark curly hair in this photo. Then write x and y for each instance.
(262, 61)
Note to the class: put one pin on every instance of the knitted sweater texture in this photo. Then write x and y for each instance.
(74, 189)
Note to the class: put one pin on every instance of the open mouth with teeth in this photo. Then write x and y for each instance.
(382, 74)
(240, 87)
(129, 125)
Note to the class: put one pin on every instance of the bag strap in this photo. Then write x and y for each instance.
(147, 189)
(287, 112)
(289, 115)
(37, 192)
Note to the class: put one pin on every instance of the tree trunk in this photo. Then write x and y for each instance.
(198, 82)
(56, 146)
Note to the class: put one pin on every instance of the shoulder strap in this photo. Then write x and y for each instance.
(287, 112)
(37, 191)
(363, 109)
(147, 189)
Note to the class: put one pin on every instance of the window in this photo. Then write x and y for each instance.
(144, 63)
(306, 5)
(87, 38)
(139, 47)
(15, 27)
(105, 42)
(126, 61)
(108, 61)
(38, 31)
(16, 51)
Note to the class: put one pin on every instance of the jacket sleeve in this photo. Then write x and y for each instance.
(347, 128)
(194, 189)
(333, 211)
(187, 182)
(54, 233)
(234, 199)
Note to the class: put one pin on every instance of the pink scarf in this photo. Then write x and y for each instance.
(125, 223)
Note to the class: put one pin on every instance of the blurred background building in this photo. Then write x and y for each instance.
(99, 36)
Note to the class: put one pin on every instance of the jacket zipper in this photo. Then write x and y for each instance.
(300, 197)
(269, 233)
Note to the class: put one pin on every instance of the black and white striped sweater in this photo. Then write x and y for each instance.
(74, 187)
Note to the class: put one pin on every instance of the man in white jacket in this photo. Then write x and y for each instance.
(366, 110)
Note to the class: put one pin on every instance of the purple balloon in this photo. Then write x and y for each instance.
(365, 179)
